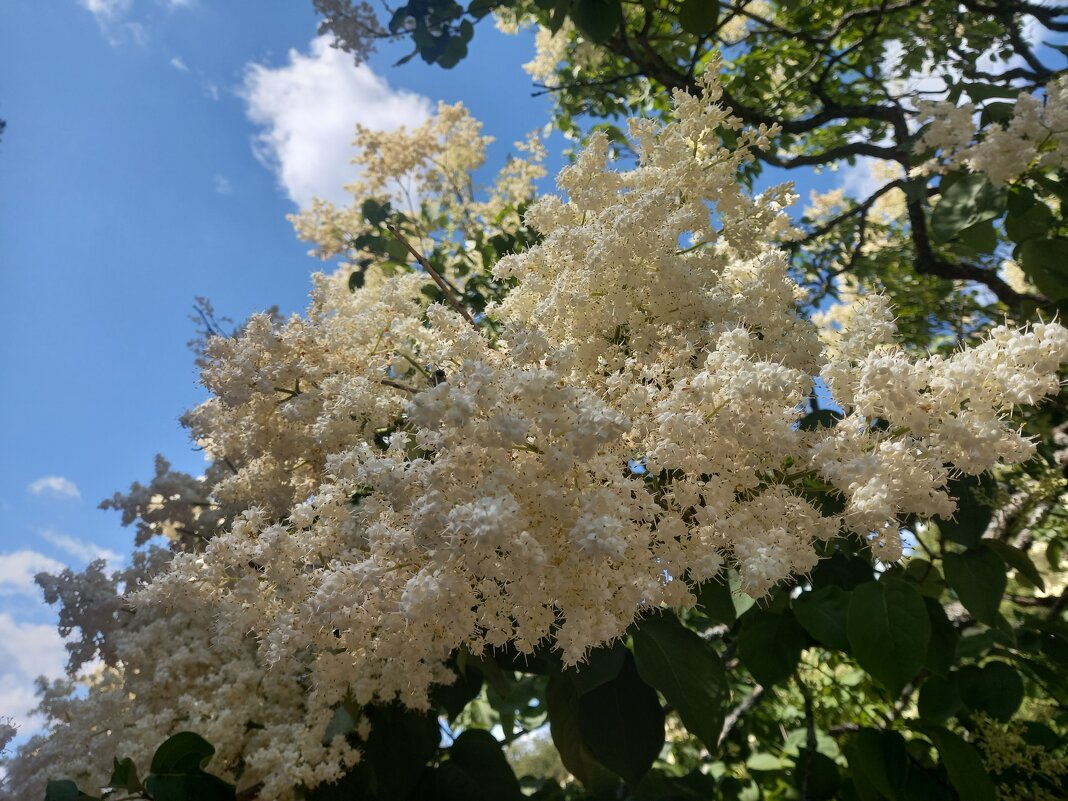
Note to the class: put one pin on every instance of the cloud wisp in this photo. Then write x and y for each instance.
(55, 487)
(307, 110)
(80, 549)
(17, 569)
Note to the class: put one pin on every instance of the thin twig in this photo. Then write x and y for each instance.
(387, 383)
(442, 285)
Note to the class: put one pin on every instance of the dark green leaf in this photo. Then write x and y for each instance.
(878, 759)
(452, 698)
(969, 200)
(770, 645)
(978, 92)
(375, 212)
(622, 724)
(401, 743)
(562, 700)
(963, 764)
(942, 649)
(823, 614)
(698, 17)
(978, 238)
(478, 753)
(1046, 263)
(602, 665)
(972, 515)
(926, 576)
(687, 672)
(939, 698)
(995, 688)
(889, 631)
(822, 418)
(1018, 560)
(715, 601)
(843, 570)
(197, 786)
(1035, 222)
(185, 752)
(64, 790)
(597, 19)
(978, 578)
(124, 776)
(816, 775)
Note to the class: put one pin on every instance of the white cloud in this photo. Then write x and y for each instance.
(80, 549)
(106, 10)
(179, 64)
(55, 485)
(223, 185)
(27, 650)
(308, 109)
(18, 568)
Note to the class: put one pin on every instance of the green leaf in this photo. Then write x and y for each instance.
(1046, 262)
(1034, 222)
(996, 112)
(64, 790)
(973, 515)
(969, 200)
(401, 743)
(842, 570)
(124, 776)
(926, 576)
(602, 665)
(375, 212)
(889, 632)
(622, 724)
(480, 8)
(687, 672)
(963, 764)
(478, 753)
(978, 92)
(562, 701)
(978, 238)
(763, 762)
(942, 649)
(816, 775)
(197, 786)
(995, 688)
(939, 698)
(770, 645)
(878, 759)
(978, 577)
(699, 17)
(715, 601)
(185, 752)
(597, 20)
(1018, 560)
(822, 613)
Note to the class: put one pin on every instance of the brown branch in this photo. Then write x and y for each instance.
(442, 285)
(927, 263)
(738, 712)
(834, 154)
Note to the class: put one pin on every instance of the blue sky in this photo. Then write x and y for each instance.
(129, 184)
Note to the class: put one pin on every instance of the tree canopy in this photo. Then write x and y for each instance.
(654, 488)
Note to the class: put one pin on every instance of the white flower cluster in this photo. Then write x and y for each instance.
(626, 427)
(632, 429)
(1035, 136)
